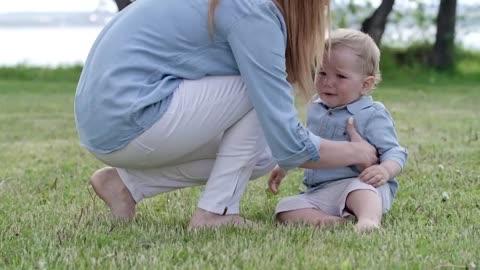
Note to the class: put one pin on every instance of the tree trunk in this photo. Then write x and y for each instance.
(375, 24)
(121, 4)
(443, 51)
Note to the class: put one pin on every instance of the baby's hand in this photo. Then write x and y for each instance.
(375, 175)
(275, 179)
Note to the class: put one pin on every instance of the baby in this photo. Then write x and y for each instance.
(350, 71)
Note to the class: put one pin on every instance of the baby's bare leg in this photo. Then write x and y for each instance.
(366, 205)
(309, 216)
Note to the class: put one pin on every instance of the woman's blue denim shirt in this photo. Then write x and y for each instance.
(373, 123)
(143, 54)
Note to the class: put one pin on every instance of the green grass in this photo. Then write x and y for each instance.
(50, 219)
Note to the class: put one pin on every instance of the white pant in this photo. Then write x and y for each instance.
(209, 135)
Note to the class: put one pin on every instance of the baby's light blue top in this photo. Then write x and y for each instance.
(142, 55)
(372, 121)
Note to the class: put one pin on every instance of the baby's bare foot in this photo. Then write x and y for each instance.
(109, 187)
(366, 226)
(329, 221)
(205, 219)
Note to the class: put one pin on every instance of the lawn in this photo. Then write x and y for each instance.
(51, 219)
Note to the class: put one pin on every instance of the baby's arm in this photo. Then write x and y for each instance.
(380, 131)
(276, 177)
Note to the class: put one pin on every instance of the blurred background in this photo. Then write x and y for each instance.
(52, 33)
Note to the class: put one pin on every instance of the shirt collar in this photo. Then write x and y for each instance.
(353, 107)
(360, 104)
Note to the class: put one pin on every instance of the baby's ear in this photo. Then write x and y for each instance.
(368, 85)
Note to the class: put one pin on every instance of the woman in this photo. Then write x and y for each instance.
(177, 94)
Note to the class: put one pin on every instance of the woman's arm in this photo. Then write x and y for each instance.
(258, 43)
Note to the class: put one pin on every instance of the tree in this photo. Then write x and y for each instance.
(442, 56)
(121, 4)
(375, 24)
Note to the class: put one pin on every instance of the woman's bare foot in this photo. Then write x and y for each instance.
(366, 226)
(205, 219)
(109, 187)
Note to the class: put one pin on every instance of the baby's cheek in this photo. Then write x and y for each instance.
(318, 83)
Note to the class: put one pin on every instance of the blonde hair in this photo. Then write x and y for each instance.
(211, 15)
(307, 22)
(362, 45)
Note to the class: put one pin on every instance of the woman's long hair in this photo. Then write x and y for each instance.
(307, 24)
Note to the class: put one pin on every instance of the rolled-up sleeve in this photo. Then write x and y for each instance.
(258, 43)
(380, 132)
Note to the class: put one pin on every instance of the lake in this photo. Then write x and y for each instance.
(46, 46)
(54, 46)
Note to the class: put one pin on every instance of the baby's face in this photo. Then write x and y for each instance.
(341, 80)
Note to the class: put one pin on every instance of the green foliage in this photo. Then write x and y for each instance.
(28, 73)
(398, 64)
(409, 22)
(468, 63)
(349, 13)
(423, 21)
(410, 64)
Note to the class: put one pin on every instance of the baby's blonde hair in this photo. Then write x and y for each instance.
(362, 45)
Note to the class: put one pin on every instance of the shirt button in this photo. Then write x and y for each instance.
(330, 113)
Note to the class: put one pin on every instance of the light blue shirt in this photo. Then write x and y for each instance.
(373, 123)
(143, 54)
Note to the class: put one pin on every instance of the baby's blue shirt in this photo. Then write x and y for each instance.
(373, 123)
(143, 54)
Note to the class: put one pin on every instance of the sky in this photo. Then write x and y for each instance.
(89, 5)
(50, 5)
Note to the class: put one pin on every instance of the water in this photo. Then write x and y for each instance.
(55, 46)
(46, 46)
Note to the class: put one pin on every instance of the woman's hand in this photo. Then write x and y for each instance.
(275, 179)
(334, 154)
(366, 154)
